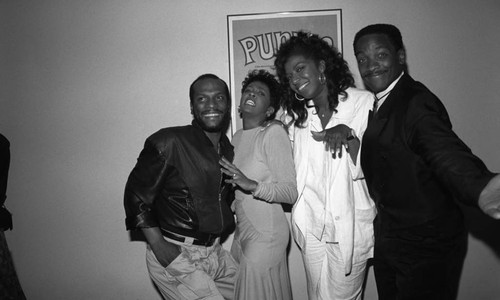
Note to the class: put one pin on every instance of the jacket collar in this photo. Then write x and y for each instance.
(394, 98)
(226, 149)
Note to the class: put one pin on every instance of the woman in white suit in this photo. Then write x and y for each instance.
(332, 218)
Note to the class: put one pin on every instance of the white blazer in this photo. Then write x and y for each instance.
(348, 201)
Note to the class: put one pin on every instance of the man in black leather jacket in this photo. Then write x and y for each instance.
(177, 196)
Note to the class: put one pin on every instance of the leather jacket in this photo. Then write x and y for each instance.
(177, 184)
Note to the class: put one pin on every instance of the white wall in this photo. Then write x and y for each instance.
(82, 83)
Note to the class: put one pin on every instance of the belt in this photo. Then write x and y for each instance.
(205, 239)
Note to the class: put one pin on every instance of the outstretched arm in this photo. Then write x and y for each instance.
(489, 199)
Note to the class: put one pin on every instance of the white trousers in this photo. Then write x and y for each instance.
(326, 278)
(199, 272)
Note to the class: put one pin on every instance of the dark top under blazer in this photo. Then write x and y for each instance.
(414, 164)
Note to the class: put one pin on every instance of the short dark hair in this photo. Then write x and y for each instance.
(208, 76)
(391, 31)
(271, 82)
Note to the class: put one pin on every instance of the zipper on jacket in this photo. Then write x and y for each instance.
(220, 203)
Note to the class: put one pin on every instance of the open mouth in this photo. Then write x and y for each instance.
(302, 86)
(250, 102)
(212, 115)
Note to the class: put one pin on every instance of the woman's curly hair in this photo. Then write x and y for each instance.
(311, 46)
(272, 83)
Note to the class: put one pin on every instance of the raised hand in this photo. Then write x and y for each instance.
(333, 138)
(237, 177)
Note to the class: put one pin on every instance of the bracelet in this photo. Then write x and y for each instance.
(351, 136)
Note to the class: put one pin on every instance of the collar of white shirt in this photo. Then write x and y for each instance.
(381, 96)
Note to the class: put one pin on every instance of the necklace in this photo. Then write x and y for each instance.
(324, 114)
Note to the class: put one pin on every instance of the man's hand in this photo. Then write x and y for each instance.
(489, 200)
(164, 251)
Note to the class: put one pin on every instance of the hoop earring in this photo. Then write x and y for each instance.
(322, 78)
(298, 97)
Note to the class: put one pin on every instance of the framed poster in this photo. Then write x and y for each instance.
(255, 38)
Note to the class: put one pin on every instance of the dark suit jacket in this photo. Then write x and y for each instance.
(414, 164)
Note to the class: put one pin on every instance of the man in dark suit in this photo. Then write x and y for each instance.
(415, 167)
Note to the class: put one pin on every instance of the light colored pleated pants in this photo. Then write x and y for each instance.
(199, 272)
(326, 279)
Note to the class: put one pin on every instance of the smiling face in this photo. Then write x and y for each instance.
(379, 62)
(256, 101)
(210, 104)
(303, 76)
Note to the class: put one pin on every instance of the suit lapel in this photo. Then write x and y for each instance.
(378, 121)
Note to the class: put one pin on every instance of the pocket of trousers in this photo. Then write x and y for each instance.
(181, 265)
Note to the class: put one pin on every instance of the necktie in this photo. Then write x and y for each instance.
(375, 104)
(377, 100)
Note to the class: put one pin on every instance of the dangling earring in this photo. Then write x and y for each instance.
(299, 98)
(239, 109)
(322, 78)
